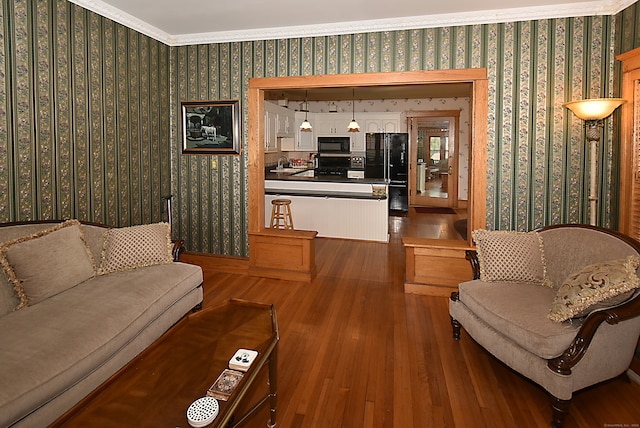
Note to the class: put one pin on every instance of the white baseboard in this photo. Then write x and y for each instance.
(633, 376)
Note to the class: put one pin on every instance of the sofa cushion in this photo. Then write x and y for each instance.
(507, 256)
(9, 299)
(136, 246)
(94, 237)
(48, 262)
(594, 287)
(519, 312)
(95, 319)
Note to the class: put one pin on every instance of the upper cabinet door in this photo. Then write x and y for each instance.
(305, 140)
(270, 131)
(331, 124)
(381, 122)
(391, 125)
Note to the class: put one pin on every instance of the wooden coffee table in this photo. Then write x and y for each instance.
(158, 386)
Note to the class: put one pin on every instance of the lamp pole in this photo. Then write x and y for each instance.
(593, 137)
(593, 112)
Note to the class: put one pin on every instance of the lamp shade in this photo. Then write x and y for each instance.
(353, 126)
(305, 126)
(595, 108)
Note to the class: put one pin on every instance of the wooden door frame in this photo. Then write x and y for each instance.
(455, 131)
(478, 150)
(628, 156)
(630, 73)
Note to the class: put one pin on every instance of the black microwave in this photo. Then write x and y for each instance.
(334, 144)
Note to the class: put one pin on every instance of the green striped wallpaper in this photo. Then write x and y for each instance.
(90, 120)
(628, 29)
(84, 114)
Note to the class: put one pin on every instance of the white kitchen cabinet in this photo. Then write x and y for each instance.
(270, 130)
(287, 144)
(332, 124)
(374, 123)
(358, 141)
(305, 141)
(286, 122)
(278, 123)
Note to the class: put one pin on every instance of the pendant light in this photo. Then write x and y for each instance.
(306, 126)
(353, 125)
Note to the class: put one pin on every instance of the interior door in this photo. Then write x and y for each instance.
(433, 173)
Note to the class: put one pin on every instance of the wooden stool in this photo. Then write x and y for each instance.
(281, 214)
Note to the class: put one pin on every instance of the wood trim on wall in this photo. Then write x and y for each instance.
(479, 107)
(629, 150)
(629, 159)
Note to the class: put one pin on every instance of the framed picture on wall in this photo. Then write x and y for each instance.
(211, 127)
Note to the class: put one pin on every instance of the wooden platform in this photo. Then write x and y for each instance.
(435, 267)
(435, 251)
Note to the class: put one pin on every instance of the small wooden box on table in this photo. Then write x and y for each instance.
(157, 387)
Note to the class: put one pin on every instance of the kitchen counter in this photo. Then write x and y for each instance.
(291, 176)
(323, 194)
(335, 207)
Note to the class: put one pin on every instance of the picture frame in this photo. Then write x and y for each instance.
(211, 127)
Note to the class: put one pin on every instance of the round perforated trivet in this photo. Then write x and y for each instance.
(202, 412)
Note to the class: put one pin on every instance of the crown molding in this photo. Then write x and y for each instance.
(117, 15)
(592, 8)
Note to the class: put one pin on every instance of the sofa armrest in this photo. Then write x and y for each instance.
(572, 355)
(472, 256)
(178, 247)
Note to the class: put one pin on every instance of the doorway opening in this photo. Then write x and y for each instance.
(383, 83)
(434, 158)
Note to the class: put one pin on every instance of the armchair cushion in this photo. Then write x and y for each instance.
(519, 312)
(596, 286)
(506, 256)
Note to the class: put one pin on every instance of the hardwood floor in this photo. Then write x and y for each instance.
(427, 225)
(355, 351)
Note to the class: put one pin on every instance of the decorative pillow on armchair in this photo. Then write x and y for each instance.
(136, 246)
(48, 262)
(596, 286)
(507, 256)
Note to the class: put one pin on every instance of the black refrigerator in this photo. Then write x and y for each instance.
(386, 158)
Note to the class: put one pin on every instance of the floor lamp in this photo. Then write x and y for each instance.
(593, 112)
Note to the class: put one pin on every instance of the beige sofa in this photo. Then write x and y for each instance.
(563, 311)
(66, 340)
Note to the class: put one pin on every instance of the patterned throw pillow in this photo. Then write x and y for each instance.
(136, 246)
(507, 256)
(48, 262)
(596, 286)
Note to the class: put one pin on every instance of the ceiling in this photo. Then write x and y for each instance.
(192, 22)
(188, 22)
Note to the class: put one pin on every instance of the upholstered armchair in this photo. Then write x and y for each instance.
(560, 306)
